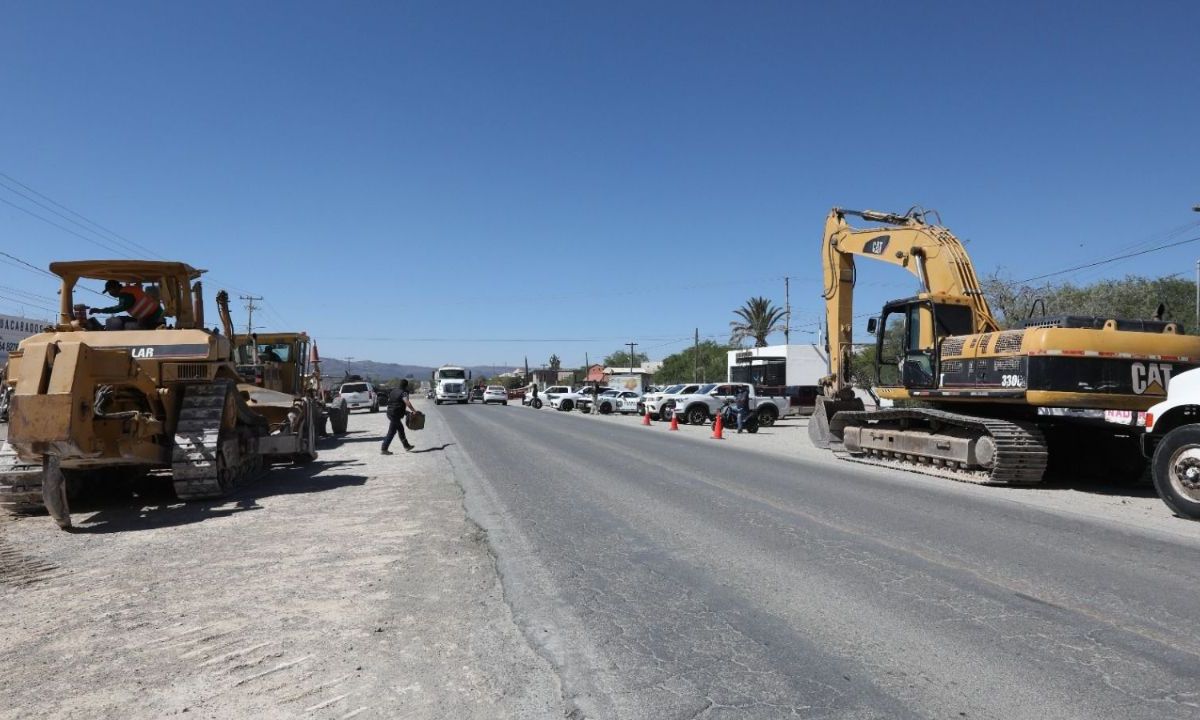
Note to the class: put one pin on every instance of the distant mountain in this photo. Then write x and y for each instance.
(332, 368)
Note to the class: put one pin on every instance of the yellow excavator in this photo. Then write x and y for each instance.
(972, 401)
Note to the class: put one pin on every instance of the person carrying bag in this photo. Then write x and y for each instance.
(398, 409)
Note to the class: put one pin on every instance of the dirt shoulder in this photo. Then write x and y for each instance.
(354, 587)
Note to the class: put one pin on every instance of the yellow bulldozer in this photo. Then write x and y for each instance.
(279, 370)
(96, 403)
(971, 400)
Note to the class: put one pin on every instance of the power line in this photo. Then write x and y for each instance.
(63, 228)
(25, 265)
(28, 265)
(1111, 260)
(9, 288)
(129, 244)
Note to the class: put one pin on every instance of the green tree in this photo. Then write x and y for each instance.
(681, 367)
(555, 362)
(757, 319)
(620, 359)
(1132, 296)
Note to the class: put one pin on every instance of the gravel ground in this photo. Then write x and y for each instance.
(1121, 504)
(355, 587)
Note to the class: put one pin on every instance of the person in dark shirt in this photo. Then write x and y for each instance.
(398, 408)
(742, 403)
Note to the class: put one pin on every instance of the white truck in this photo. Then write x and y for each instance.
(450, 385)
(702, 405)
(1172, 443)
(544, 396)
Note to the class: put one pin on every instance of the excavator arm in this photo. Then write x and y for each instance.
(930, 252)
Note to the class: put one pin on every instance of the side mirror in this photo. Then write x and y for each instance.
(872, 325)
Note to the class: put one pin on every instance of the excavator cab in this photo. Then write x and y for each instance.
(908, 337)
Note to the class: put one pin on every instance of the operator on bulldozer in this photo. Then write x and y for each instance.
(143, 306)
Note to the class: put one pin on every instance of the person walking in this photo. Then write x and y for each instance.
(742, 403)
(398, 408)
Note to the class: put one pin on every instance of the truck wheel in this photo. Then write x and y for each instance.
(536, 403)
(697, 415)
(767, 415)
(1177, 470)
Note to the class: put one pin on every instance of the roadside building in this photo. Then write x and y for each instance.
(778, 365)
(14, 329)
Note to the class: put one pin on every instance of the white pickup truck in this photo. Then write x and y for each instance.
(1172, 442)
(702, 405)
(659, 404)
(545, 395)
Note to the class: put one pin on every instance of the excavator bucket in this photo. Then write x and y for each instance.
(825, 409)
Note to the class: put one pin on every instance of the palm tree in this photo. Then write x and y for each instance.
(555, 363)
(757, 319)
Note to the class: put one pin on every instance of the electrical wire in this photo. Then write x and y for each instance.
(65, 229)
(30, 267)
(113, 236)
(1111, 260)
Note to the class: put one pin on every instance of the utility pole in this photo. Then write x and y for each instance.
(787, 309)
(250, 306)
(631, 347)
(696, 358)
(349, 365)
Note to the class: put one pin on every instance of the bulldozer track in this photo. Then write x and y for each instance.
(16, 568)
(205, 461)
(20, 483)
(1021, 450)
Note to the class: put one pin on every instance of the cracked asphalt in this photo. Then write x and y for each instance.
(665, 578)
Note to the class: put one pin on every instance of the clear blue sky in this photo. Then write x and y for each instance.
(458, 182)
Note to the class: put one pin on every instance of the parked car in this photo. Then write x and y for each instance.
(653, 399)
(701, 406)
(359, 395)
(495, 393)
(630, 402)
(570, 400)
(606, 401)
(545, 395)
(662, 405)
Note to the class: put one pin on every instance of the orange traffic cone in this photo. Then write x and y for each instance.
(646, 418)
(718, 428)
(674, 422)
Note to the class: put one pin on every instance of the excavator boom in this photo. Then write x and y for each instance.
(930, 252)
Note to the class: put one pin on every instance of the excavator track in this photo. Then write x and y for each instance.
(207, 459)
(1020, 449)
(20, 483)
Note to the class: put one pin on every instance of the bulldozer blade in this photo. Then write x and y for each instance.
(826, 408)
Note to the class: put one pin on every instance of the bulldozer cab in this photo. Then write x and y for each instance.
(908, 336)
(168, 282)
(274, 361)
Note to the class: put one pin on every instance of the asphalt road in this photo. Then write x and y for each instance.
(666, 578)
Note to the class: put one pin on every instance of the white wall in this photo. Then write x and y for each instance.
(806, 364)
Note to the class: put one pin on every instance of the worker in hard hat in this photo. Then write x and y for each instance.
(142, 307)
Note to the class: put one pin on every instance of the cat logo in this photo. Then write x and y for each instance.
(878, 245)
(145, 352)
(1151, 378)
